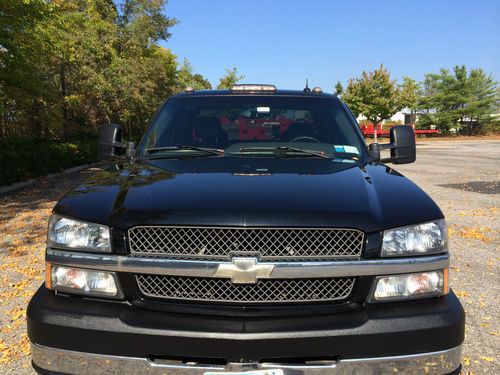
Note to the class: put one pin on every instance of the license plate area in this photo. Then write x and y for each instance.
(252, 372)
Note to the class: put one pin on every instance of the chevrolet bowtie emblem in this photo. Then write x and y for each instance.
(244, 270)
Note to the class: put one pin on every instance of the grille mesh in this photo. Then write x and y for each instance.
(265, 291)
(271, 244)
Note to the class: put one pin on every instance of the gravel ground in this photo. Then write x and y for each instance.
(463, 177)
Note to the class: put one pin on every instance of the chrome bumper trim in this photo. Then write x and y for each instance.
(70, 362)
(280, 270)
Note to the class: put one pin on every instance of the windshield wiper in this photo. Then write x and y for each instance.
(279, 150)
(204, 150)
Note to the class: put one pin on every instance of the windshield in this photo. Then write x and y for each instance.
(275, 126)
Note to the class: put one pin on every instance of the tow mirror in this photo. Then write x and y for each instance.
(111, 144)
(403, 138)
(402, 146)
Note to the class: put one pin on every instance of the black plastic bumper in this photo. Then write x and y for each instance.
(113, 328)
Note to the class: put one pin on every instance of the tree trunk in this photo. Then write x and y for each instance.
(65, 129)
(129, 130)
(36, 125)
(3, 124)
(375, 135)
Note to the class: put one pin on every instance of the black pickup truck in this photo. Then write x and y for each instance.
(251, 231)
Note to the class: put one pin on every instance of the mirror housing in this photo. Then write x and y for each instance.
(403, 137)
(111, 144)
(402, 146)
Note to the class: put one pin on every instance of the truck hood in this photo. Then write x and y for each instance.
(250, 192)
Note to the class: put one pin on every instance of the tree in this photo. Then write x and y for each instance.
(21, 50)
(69, 66)
(139, 86)
(483, 103)
(143, 23)
(230, 79)
(339, 89)
(374, 95)
(142, 74)
(410, 96)
(464, 100)
(82, 36)
(186, 78)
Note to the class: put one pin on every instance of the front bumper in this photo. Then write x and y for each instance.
(412, 337)
(49, 360)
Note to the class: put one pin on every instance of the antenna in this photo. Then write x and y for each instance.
(307, 90)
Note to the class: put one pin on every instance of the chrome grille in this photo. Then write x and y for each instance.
(270, 244)
(265, 291)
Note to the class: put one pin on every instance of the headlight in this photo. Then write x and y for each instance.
(82, 281)
(74, 234)
(420, 239)
(410, 286)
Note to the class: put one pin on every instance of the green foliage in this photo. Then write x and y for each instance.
(467, 101)
(230, 79)
(464, 100)
(186, 78)
(339, 89)
(410, 94)
(69, 66)
(22, 157)
(392, 123)
(22, 84)
(18, 20)
(374, 95)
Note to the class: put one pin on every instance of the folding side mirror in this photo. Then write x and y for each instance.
(110, 142)
(403, 150)
(402, 146)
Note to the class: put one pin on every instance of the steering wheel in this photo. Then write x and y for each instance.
(305, 138)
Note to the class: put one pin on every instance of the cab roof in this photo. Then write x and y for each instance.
(298, 93)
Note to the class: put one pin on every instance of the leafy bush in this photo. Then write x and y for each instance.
(22, 158)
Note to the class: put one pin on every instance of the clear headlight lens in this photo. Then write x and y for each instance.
(74, 234)
(420, 239)
(410, 286)
(82, 281)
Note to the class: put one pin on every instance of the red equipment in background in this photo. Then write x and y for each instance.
(368, 130)
(250, 129)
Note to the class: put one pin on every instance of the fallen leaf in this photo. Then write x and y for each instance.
(487, 359)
